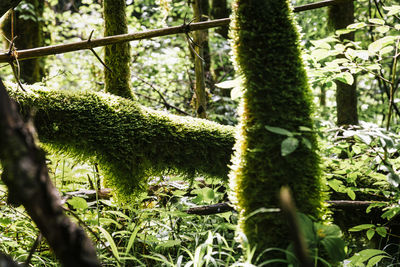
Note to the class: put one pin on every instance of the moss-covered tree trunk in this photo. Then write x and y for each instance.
(340, 16)
(201, 58)
(28, 28)
(130, 142)
(117, 56)
(275, 93)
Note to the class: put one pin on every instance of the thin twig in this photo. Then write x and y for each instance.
(95, 54)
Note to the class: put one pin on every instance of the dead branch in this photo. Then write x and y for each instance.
(226, 206)
(211, 209)
(26, 176)
(82, 45)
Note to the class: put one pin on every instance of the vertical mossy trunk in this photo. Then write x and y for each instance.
(117, 56)
(275, 93)
(219, 10)
(28, 27)
(202, 51)
(340, 16)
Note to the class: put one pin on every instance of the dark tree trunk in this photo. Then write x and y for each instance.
(28, 30)
(26, 176)
(5, 5)
(219, 10)
(340, 16)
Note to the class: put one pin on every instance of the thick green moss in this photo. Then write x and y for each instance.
(276, 93)
(130, 142)
(117, 56)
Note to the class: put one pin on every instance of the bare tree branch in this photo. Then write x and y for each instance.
(82, 45)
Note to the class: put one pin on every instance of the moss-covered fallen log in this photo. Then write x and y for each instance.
(130, 142)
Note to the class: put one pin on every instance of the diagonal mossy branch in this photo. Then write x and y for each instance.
(130, 142)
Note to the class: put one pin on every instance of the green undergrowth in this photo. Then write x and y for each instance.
(130, 142)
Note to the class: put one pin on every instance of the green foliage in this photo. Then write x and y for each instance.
(275, 94)
(131, 142)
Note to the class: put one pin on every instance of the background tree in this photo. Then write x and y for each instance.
(27, 27)
(340, 16)
(117, 56)
(275, 94)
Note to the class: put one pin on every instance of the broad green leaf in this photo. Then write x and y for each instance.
(392, 10)
(335, 184)
(386, 50)
(382, 29)
(362, 54)
(361, 227)
(289, 145)
(306, 142)
(374, 47)
(345, 77)
(229, 84)
(351, 193)
(381, 231)
(236, 93)
(319, 54)
(357, 149)
(366, 139)
(374, 260)
(78, 203)
(377, 21)
(110, 241)
(278, 130)
(357, 25)
(321, 44)
(375, 66)
(370, 234)
(344, 31)
(390, 213)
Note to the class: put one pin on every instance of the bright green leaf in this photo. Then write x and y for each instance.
(78, 203)
(370, 234)
(377, 21)
(278, 130)
(345, 77)
(289, 145)
(361, 227)
(357, 25)
(381, 231)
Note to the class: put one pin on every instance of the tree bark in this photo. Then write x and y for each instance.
(340, 16)
(200, 46)
(219, 10)
(6, 5)
(26, 176)
(28, 30)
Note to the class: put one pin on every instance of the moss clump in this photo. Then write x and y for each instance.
(276, 93)
(117, 56)
(129, 141)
